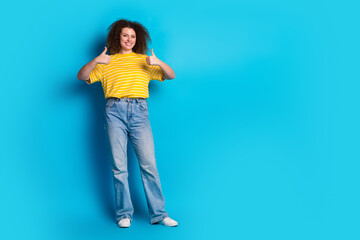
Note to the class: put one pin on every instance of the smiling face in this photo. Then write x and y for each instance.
(127, 39)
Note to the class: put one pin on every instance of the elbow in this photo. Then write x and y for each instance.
(80, 77)
(172, 76)
(168, 77)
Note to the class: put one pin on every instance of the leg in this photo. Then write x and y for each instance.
(142, 140)
(118, 138)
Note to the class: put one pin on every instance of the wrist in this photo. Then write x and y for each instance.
(95, 61)
(159, 63)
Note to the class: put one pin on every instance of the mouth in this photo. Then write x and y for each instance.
(128, 44)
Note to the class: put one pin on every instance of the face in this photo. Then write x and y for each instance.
(127, 38)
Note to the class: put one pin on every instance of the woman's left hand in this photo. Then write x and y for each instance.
(152, 60)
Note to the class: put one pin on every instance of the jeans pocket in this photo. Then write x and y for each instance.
(110, 103)
(143, 106)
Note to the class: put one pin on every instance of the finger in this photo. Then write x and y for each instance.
(147, 60)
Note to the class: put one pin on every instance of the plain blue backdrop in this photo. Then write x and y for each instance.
(257, 137)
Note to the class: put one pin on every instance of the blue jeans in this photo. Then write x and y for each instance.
(128, 118)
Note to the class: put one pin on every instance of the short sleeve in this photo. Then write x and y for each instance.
(156, 73)
(96, 74)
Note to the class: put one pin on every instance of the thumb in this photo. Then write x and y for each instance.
(104, 52)
(152, 52)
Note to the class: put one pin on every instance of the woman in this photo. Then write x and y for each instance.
(125, 75)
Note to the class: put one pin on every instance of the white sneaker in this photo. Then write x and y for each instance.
(169, 222)
(124, 223)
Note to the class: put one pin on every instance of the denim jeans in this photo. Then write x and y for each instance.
(128, 119)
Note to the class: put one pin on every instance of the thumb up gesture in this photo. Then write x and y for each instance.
(152, 60)
(103, 58)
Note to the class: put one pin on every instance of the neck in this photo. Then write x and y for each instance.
(125, 51)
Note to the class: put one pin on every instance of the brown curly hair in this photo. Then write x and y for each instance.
(113, 38)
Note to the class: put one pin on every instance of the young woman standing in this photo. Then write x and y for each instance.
(125, 75)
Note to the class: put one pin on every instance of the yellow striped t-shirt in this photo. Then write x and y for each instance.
(127, 75)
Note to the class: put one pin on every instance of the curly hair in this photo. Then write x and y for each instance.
(113, 38)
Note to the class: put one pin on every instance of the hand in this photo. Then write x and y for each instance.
(103, 58)
(152, 60)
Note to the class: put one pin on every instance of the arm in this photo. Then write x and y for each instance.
(84, 73)
(167, 70)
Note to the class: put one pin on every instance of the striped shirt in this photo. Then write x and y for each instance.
(127, 75)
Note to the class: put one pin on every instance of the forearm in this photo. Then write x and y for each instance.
(84, 73)
(167, 70)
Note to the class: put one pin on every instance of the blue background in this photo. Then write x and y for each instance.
(257, 137)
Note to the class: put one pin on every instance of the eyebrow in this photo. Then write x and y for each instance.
(128, 34)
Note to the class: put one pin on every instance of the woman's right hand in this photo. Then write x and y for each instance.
(103, 58)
